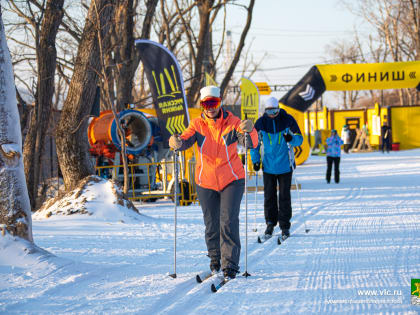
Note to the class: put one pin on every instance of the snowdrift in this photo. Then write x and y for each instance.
(17, 252)
(94, 197)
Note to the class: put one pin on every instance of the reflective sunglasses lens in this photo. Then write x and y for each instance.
(272, 111)
(212, 102)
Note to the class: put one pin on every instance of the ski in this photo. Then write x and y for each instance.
(204, 276)
(264, 238)
(216, 286)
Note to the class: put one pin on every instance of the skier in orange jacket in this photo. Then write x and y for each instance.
(219, 175)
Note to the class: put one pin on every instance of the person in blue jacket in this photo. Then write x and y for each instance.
(277, 130)
(334, 144)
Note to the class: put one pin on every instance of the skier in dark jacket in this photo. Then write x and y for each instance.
(386, 138)
(276, 129)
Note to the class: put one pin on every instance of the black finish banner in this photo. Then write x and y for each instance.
(167, 87)
(306, 91)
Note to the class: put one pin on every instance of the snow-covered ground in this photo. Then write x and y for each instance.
(359, 257)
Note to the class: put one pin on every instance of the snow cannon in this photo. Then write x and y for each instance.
(103, 134)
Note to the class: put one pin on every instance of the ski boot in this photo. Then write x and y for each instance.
(229, 273)
(215, 265)
(285, 234)
(269, 230)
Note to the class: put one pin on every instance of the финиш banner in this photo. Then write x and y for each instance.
(347, 77)
(370, 76)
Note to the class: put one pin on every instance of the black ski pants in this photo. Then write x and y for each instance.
(278, 209)
(221, 218)
(386, 145)
(336, 161)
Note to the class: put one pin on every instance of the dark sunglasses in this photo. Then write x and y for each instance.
(211, 102)
(272, 111)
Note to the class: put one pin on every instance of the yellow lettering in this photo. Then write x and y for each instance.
(162, 82)
(168, 76)
(157, 85)
(176, 81)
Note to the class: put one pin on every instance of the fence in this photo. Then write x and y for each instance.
(151, 181)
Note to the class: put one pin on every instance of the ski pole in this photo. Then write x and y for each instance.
(292, 166)
(246, 274)
(255, 206)
(176, 203)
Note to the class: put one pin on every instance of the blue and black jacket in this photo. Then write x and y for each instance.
(276, 152)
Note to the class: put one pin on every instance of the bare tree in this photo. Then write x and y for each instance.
(204, 9)
(193, 41)
(121, 9)
(46, 63)
(15, 209)
(72, 146)
(397, 25)
(345, 52)
(240, 47)
(121, 62)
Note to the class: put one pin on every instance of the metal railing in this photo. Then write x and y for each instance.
(151, 181)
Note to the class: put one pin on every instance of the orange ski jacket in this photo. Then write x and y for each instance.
(218, 163)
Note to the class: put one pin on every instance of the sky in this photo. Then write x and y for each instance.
(290, 36)
(359, 256)
(294, 36)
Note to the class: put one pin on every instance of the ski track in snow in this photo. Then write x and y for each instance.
(363, 236)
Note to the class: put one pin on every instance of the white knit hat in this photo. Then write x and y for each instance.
(271, 102)
(210, 90)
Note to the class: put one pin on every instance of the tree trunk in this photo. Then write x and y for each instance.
(238, 51)
(24, 111)
(71, 137)
(345, 99)
(126, 57)
(123, 52)
(39, 124)
(204, 8)
(15, 209)
(145, 34)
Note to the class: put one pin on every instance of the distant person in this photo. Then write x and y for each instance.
(277, 129)
(318, 142)
(219, 176)
(333, 156)
(345, 136)
(386, 138)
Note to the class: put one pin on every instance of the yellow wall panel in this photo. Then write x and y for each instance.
(405, 126)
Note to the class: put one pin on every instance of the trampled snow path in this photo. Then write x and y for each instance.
(363, 237)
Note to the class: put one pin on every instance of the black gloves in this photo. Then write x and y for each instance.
(257, 166)
(288, 137)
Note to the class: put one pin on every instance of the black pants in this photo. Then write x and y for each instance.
(221, 218)
(336, 161)
(278, 210)
(386, 144)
